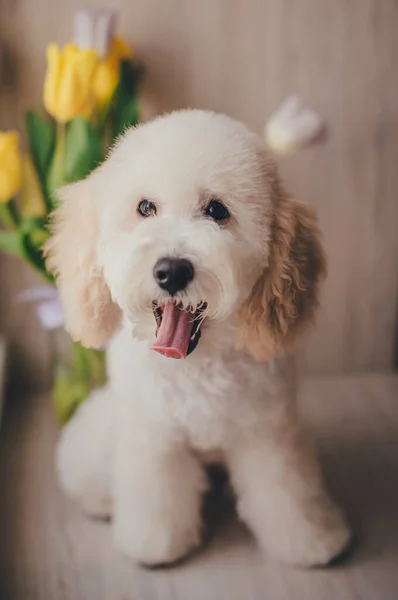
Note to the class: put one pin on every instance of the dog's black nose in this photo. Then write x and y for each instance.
(173, 274)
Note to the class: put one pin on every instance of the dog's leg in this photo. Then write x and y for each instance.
(85, 454)
(158, 492)
(281, 494)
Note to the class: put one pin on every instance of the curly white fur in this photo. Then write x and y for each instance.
(135, 450)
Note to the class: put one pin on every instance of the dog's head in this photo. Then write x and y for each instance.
(184, 228)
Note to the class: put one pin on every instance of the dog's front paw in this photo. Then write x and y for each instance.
(310, 542)
(157, 542)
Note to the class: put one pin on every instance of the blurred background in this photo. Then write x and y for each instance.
(244, 58)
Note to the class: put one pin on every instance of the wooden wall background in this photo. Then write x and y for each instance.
(243, 57)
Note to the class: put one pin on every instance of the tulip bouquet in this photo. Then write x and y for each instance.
(90, 96)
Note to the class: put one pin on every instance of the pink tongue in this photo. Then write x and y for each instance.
(174, 333)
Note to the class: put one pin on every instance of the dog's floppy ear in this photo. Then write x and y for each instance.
(285, 297)
(91, 315)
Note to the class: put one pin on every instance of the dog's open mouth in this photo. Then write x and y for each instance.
(178, 329)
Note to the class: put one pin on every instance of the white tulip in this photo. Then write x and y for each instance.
(94, 28)
(293, 125)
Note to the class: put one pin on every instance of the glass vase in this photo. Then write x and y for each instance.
(76, 372)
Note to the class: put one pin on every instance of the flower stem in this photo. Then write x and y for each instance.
(60, 150)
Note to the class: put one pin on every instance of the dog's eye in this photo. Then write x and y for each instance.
(217, 211)
(146, 208)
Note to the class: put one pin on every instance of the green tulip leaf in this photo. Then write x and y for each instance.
(41, 138)
(32, 243)
(128, 115)
(84, 149)
(28, 224)
(26, 245)
(10, 242)
(125, 110)
(79, 150)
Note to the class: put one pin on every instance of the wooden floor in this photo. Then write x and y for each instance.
(48, 551)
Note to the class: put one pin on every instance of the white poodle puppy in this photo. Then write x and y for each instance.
(184, 244)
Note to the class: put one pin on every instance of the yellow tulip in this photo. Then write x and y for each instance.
(107, 73)
(121, 49)
(10, 165)
(68, 86)
(105, 80)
